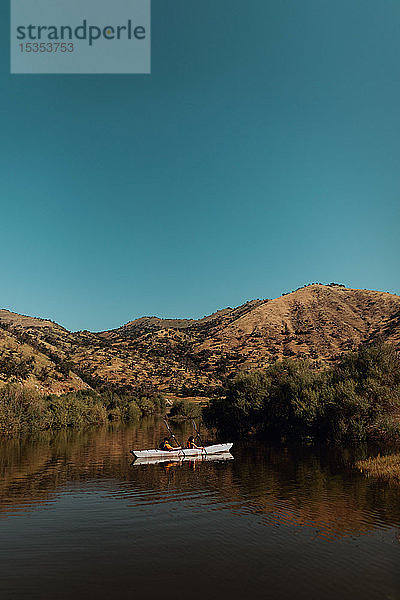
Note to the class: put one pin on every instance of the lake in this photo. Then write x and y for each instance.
(79, 520)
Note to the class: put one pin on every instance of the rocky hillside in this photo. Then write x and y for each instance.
(193, 357)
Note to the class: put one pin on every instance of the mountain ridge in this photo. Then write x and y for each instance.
(195, 356)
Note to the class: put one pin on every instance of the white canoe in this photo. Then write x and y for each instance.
(185, 452)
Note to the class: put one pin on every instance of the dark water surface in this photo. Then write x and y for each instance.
(78, 520)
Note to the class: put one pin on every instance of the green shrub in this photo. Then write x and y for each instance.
(184, 409)
(23, 409)
(115, 414)
(97, 414)
(147, 406)
(354, 400)
(159, 404)
(134, 413)
(132, 408)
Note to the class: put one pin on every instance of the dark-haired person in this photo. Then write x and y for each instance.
(165, 445)
(190, 443)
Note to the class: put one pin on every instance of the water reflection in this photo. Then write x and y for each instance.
(223, 456)
(284, 485)
(78, 520)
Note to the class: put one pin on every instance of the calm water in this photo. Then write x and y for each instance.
(78, 520)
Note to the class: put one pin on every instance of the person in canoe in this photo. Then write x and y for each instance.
(190, 443)
(165, 445)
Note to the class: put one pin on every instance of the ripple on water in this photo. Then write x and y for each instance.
(76, 513)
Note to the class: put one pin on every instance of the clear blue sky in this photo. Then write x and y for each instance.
(262, 153)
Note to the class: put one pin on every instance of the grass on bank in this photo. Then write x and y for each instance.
(24, 410)
(382, 467)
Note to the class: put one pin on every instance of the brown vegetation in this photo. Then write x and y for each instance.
(191, 357)
(382, 467)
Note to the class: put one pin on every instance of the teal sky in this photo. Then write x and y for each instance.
(262, 153)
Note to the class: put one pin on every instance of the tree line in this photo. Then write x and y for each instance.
(24, 410)
(358, 398)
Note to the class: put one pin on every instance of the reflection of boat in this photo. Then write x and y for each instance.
(179, 459)
(183, 453)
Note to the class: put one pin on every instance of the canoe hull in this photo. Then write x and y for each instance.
(184, 453)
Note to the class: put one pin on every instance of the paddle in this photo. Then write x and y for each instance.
(172, 434)
(198, 434)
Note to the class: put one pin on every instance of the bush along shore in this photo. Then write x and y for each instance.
(357, 399)
(23, 410)
(183, 409)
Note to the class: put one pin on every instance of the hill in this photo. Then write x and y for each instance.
(194, 356)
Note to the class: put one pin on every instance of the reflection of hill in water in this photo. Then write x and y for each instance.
(299, 487)
(284, 485)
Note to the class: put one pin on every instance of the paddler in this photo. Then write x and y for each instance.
(165, 445)
(190, 443)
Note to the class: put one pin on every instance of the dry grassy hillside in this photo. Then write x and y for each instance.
(31, 352)
(191, 356)
(318, 322)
